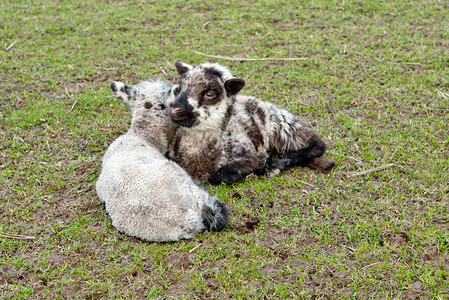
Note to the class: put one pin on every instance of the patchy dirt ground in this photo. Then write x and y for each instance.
(281, 240)
(257, 251)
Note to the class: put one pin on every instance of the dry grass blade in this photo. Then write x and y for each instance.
(443, 94)
(398, 63)
(194, 248)
(361, 173)
(10, 46)
(370, 265)
(17, 237)
(251, 59)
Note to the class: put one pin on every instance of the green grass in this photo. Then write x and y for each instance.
(374, 83)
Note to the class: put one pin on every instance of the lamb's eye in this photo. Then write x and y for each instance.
(210, 95)
(176, 90)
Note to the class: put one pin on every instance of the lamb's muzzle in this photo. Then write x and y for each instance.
(182, 112)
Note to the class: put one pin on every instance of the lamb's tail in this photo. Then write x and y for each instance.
(214, 213)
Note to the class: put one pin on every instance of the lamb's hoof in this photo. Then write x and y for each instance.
(281, 164)
(319, 163)
(226, 175)
(273, 173)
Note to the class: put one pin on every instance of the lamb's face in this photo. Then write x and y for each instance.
(145, 95)
(203, 95)
(148, 101)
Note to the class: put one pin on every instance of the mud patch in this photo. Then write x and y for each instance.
(248, 226)
(415, 291)
(308, 241)
(270, 270)
(394, 239)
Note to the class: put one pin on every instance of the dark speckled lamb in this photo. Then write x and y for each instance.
(223, 137)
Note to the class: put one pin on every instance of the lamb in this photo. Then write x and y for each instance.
(223, 137)
(146, 195)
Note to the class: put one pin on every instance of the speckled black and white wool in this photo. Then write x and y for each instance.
(223, 137)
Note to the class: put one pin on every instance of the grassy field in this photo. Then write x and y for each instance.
(374, 82)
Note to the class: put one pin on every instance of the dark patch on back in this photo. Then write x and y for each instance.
(276, 142)
(227, 117)
(255, 135)
(251, 106)
(255, 110)
(261, 114)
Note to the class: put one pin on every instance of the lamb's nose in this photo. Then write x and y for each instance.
(176, 110)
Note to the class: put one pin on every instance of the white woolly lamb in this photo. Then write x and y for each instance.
(145, 194)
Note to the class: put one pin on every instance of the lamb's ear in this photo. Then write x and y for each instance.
(124, 92)
(182, 67)
(234, 85)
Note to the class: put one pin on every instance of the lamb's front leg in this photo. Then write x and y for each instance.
(243, 160)
(233, 172)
